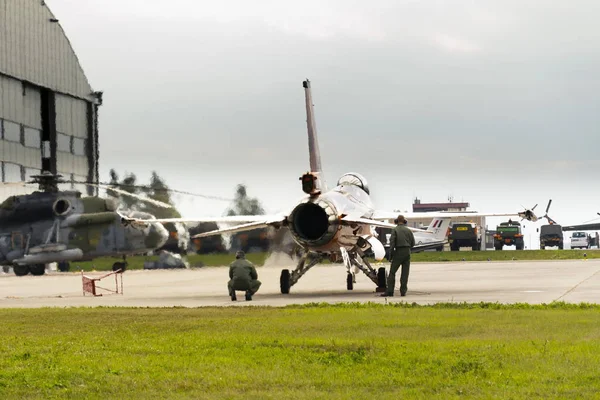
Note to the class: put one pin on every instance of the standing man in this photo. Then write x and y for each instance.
(242, 276)
(401, 241)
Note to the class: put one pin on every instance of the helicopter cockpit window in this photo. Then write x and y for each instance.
(354, 179)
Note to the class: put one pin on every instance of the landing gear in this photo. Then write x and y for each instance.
(5, 269)
(350, 281)
(37, 269)
(64, 266)
(288, 279)
(21, 270)
(284, 281)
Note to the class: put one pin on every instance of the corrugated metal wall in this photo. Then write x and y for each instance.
(35, 49)
(35, 54)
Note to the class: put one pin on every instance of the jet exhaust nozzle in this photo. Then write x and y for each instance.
(314, 223)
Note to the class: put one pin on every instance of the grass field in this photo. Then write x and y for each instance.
(303, 352)
(105, 264)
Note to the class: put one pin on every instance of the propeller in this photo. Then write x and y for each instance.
(529, 215)
(550, 220)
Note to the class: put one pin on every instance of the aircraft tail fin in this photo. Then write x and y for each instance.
(313, 142)
(439, 228)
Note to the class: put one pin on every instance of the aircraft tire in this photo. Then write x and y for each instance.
(64, 266)
(284, 281)
(5, 269)
(349, 281)
(37, 269)
(381, 278)
(21, 270)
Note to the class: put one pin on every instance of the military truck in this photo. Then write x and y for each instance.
(509, 234)
(551, 236)
(464, 234)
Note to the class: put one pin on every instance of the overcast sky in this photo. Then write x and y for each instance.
(492, 102)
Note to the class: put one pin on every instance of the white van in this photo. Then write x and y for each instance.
(579, 240)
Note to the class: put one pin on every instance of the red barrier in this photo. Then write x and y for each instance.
(90, 284)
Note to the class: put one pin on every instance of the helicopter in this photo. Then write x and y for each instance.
(51, 225)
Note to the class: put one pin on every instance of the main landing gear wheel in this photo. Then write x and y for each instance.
(381, 279)
(349, 281)
(5, 269)
(284, 281)
(37, 269)
(21, 270)
(64, 266)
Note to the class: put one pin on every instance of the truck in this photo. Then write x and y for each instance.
(551, 236)
(509, 234)
(464, 234)
(580, 240)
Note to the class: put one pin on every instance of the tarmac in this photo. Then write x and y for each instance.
(532, 282)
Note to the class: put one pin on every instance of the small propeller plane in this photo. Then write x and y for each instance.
(337, 223)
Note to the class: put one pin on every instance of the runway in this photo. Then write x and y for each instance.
(505, 282)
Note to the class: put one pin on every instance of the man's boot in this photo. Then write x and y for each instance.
(233, 296)
(248, 295)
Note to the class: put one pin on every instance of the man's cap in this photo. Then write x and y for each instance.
(401, 218)
(240, 254)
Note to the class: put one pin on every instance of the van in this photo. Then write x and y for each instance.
(579, 240)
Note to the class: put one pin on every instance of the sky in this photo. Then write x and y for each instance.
(490, 102)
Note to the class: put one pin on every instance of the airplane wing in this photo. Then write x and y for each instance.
(244, 227)
(387, 215)
(427, 246)
(582, 227)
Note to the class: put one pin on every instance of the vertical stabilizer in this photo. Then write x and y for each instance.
(313, 142)
(439, 228)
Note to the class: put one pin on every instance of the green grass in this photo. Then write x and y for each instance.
(493, 255)
(213, 260)
(302, 352)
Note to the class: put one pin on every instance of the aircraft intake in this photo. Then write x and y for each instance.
(314, 224)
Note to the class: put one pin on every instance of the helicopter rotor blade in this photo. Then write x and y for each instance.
(150, 188)
(534, 207)
(548, 207)
(125, 193)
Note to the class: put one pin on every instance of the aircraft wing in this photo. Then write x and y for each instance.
(386, 215)
(244, 227)
(427, 246)
(582, 227)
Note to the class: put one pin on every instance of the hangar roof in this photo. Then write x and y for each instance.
(35, 49)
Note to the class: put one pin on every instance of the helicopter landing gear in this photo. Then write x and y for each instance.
(64, 266)
(37, 269)
(21, 270)
(120, 266)
(5, 269)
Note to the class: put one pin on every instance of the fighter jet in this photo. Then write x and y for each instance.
(336, 223)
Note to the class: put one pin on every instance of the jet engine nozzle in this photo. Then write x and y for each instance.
(314, 223)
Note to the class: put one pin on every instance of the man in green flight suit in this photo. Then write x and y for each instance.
(243, 276)
(401, 241)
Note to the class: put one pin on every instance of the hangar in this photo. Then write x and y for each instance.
(48, 110)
